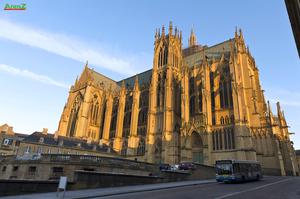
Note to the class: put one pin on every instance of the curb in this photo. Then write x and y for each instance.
(142, 190)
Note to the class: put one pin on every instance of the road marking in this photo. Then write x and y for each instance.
(252, 189)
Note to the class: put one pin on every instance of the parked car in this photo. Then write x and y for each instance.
(175, 167)
(164, 167)
(187, 166)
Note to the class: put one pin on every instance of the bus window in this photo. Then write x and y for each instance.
(224, 169)
(236, 168)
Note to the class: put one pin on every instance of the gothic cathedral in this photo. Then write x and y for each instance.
(198, 104)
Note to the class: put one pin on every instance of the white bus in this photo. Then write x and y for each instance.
(237, 170)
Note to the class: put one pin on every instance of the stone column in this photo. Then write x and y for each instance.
(206, 107)
(134, 139)
(170, 154)
(101, 114)
(185, 113)
(82, 126)
(107, 119)
(120, 119)
(151, 126)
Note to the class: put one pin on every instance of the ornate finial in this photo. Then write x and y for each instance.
(180, 37)
(123, 84)
(192, 39)
(170, 28)
(163, 30)
(176, 33)
(87, 64)
(136, 83)
(156, 34)
(235, 33)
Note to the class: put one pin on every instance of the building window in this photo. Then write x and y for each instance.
(57, 169)
(94, 111)
(15, 168)
(222, 121)
(41, 140)
(227, 120)
(39, 150)
(192, 106)
(32, 169)
(28, 149)
(141, 147)
(3, 168)
(72, 124)
(7, 141)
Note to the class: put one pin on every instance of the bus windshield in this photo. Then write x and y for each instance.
(224, 169)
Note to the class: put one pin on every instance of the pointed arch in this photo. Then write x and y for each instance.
(73, 118)
(94, 110)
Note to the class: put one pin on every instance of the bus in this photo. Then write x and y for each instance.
(237, 170)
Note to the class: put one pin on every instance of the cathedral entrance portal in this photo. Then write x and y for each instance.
(197, 148)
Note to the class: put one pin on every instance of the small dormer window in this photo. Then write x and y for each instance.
(61, 142)
(41, 140)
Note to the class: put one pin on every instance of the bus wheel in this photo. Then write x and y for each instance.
(257, 177)
(243, 178)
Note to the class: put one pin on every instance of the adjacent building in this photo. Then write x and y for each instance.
(9, 140)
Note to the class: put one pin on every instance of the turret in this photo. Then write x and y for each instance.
(192, 39)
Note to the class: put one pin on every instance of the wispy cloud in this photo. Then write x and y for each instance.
(67, 46)
(31, 75)
(284, 96)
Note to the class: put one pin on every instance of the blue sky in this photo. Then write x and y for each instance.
(44, 48)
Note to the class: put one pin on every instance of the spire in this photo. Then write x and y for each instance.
(156, 34)
(180, 36)
(163, 31)
(86, 64)
(241, 35)
(170, 28)
(236, 34)
(192, 39)
(231, 58)
(279, 113)
(136, 83)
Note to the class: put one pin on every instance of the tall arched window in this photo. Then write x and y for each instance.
(94, 111)
(141, 147)
(225, 89)
(222, 121)
(74, 116)
(165, 56)
(192, 85)
(200, 97)
(227, 120)
(192, 106)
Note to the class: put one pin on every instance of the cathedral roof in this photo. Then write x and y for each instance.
(90, 75)
(144, 78)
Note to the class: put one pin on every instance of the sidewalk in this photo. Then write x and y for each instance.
(100, 192)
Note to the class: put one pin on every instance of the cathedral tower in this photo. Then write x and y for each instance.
(164, 118)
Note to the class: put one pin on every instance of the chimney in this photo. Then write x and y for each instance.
(45, 131)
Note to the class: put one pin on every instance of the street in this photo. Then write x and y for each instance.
(269, 187)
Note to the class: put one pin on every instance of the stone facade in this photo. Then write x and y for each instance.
(198, 104)
(43, 143)
(9, 140)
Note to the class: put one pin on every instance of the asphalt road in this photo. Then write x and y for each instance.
(269, 188)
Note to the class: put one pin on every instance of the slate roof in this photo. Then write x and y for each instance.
(64, 142)
(102, 79)
(144, 78)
